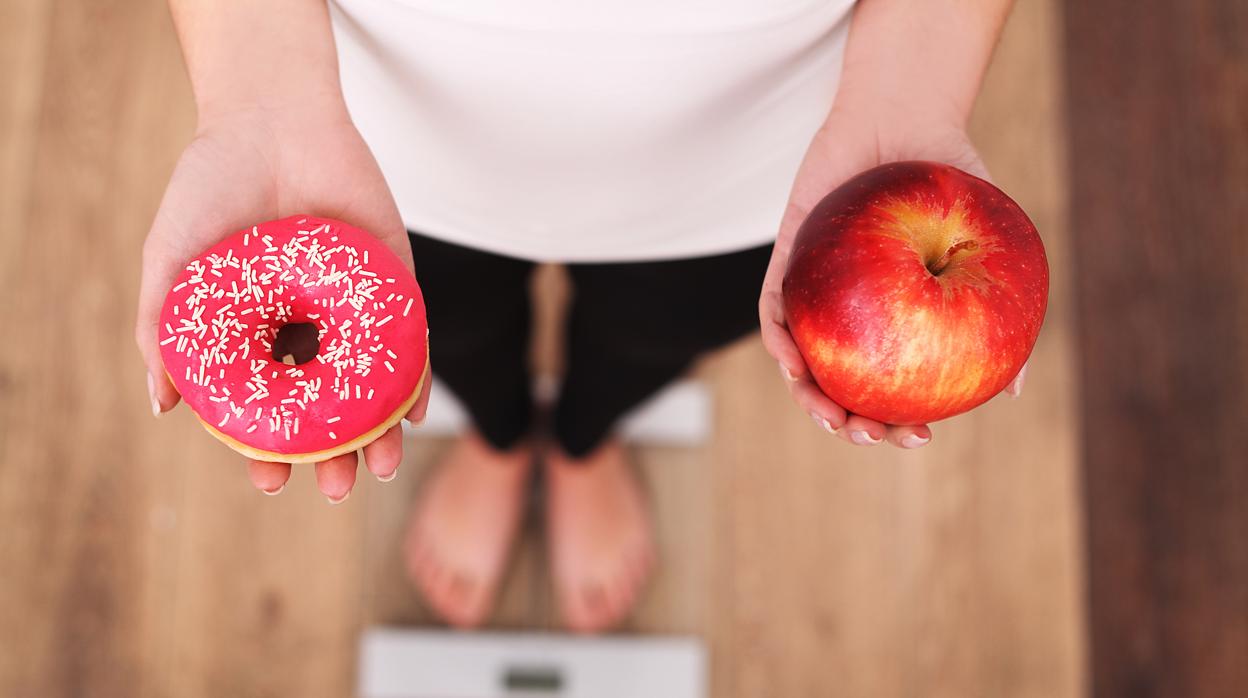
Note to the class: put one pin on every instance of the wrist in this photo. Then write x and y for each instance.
(243, 56)
(898, 110)
(288, 108)
(919, 63)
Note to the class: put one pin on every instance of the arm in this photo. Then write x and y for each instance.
(926, 59)
(243, 54)
(265, 78)
(910, 77)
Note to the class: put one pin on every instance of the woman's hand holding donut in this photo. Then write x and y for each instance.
(253, 165)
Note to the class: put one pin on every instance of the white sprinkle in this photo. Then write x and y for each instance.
(333, 436)
(251, 428)
(172, 338)
(388, 318)
(409, 307)
(225, 418)
(332, 420)
(389, 366)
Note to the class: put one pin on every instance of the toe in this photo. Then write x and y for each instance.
(638, 574)
(572, 609)
(442, 594)
(465, 606)
(623, 591)
(588, 610)
(429, 576)
(414, 557)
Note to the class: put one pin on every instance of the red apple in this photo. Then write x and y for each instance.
(915, 292)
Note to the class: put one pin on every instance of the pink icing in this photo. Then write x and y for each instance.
(220, 319)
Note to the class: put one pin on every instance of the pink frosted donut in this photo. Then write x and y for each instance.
(221, 320)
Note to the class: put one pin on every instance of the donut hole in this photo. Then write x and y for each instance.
(296, 343)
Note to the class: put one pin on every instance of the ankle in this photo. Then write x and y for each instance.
(606, 453)
(518, 456)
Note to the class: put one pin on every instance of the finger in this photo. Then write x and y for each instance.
(156, 280)
(826, 413)
(908, 436)
(420, 408)
(268, 477)
(382, 457)
(336, 476)
(862, 431)
(199, 207)
(1015, 388)
(777, 340)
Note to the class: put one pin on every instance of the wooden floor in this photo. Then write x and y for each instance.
(1161, 177)
(135, 559)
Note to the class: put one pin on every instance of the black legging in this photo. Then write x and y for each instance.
(632, 328)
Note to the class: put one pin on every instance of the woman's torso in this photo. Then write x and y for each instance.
(583, 131)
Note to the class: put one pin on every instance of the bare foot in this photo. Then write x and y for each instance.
(600, 536)
(464, 525)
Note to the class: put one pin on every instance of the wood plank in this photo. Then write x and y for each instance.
(1158, 112)
(84, 502)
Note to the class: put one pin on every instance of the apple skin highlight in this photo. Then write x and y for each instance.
(915, 292)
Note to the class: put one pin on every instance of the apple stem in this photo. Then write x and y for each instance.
(939, 265)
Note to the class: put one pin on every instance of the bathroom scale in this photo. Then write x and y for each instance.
(423, 663)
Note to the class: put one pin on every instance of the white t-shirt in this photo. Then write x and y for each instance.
(591, 130)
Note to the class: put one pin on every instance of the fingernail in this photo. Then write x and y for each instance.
(339, 500)
(417, 422)
(151, 394)
(387, 478)
(275, 492)
(914, 440)
(822, 423)
(862, 438)
(788, 375)
(1016, 388)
